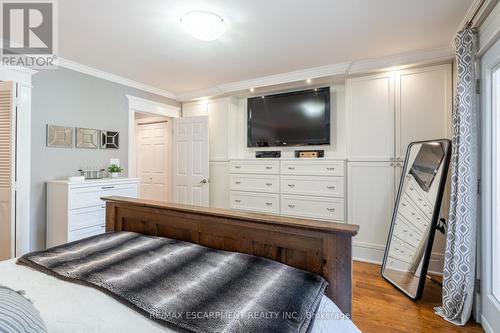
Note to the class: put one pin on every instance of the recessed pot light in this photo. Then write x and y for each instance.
(203, 25)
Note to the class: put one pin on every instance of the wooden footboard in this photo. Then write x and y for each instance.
(315, 246)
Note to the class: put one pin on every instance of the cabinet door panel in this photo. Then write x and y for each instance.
(423, 105)
(370, 203)
(218, 129)
(370, 118)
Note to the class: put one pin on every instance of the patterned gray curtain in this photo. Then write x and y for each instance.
(460, 255)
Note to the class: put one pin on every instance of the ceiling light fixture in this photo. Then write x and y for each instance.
(252, 89)
(203, 25)
(308, 81)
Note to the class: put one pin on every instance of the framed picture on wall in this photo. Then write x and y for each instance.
(110, 140)
(87, 138)
(59, 136)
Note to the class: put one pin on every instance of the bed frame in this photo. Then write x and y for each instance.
(320, 247)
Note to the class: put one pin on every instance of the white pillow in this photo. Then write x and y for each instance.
(17, 314)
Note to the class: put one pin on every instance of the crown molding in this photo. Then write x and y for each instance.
(300, 75)
(402, 59)
(346, 68)
(146, 105)
(114, 78)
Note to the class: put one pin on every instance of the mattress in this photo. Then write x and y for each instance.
(68, 307)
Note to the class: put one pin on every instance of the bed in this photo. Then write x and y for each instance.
(319, 247)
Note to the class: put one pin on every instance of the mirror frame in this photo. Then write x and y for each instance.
(434, 220)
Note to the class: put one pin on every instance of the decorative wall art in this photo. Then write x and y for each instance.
(87, 138)
(59, 136)
(110, 140)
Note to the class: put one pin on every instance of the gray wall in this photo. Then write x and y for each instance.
(69, 98)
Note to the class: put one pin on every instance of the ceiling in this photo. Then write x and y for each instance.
(143, 40)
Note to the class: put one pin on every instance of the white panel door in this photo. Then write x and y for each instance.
(370, 118)
(370, 204)
(191, 169)
(423, 105)
(7, 175)
(153, 163)
(490, 191)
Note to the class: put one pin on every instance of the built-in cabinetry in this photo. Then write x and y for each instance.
(219, 112)
(75, 209)
(384, 113)
(302, 188)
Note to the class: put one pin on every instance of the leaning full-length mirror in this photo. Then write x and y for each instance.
(415, 215)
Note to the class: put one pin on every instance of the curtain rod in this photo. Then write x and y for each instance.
(470, 22)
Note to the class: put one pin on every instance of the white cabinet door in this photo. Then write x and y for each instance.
(218, 125)
(370, 204)
(7, 164)
(219, 187)
(370, 118)
(423, 105)
(191, 168)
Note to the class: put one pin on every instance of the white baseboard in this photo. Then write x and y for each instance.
(486, 326)
(374, 254)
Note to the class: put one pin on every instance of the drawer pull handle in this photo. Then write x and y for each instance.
(269, 167)
(103, 206)
(331, 187)
(269, 184)
(269, 203)
(330, 169)
(237, 183)
(291, 168)
(291, 185)
(237, 200)
(107, 187)
(291, 206)
(237, 166)
(330, 209)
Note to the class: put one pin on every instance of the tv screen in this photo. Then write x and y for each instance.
(297, 118)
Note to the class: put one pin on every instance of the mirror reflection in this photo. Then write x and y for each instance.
(416, 212)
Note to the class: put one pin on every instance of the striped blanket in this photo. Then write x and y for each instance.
(188, 286)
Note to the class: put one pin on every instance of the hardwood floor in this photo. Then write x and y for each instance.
(379, 307)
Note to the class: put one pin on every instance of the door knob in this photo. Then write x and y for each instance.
(204, 181)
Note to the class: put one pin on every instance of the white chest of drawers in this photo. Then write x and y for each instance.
(312, 188)
(75, 209)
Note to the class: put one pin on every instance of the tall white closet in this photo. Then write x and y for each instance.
(384, 113)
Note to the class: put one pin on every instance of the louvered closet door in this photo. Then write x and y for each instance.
(6, 169)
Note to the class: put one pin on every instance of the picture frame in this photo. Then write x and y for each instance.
(110, 140)
(59, 136)
(87, 138)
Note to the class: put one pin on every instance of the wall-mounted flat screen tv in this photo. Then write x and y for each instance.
(299, 118)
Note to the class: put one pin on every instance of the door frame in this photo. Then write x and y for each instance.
(21, 77)
(489, 132)
(140, 105)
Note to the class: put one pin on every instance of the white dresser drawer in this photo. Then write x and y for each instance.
(313, 168)
(310, 185)
(86, 232)
(91, 196)
(254, 166)
(87, 217)
(256, 202)
(255, 183)
(313, 207)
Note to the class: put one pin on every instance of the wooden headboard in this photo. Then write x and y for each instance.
(315, 246)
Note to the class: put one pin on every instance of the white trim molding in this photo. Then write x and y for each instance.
(413, 58)
(113, 78)
(137, 104)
